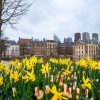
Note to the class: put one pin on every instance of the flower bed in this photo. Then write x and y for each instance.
(57, 79)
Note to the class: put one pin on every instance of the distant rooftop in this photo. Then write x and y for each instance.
(12, 42)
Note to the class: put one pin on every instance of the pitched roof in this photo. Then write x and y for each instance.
(11, 42)
(79, 43)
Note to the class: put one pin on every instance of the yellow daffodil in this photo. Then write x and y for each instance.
(14, 76)
(1, 80)
(82, 63)
(53, 60)
(57, 95)
(65, 61)
(7, 69)
(30, 76)
(14, 63)
(19, 65)
(86, 83)
(67, 72)
(45, 68)
(40, 61)
(2, 66)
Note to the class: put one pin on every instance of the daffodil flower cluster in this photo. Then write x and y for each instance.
(57, 79)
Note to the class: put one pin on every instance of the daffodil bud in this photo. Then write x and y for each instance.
(74, 85)
(72, 68)
(52, 78)
(36, 91)
(75, 77)
(70, 93)
(47, 90)
(86, 93)
(77, 91)
(40, 95)
(65, 92)
(61, 81)
(65, 87)
(14, 91)
(77, 97)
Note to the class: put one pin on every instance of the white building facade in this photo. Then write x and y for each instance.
(13, 50)
(82, 50)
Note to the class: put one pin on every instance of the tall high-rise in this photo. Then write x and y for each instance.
(56, 38)
(95, 37)
(85, 37)
(77, 37)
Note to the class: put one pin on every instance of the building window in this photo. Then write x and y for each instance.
(12, 48)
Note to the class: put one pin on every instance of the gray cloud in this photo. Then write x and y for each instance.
(63, 17)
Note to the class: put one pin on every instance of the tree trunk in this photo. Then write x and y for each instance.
(0, 27)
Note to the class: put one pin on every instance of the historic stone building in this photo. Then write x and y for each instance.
(51, 48)
(39, 48)
(13, 49)
(83, 50)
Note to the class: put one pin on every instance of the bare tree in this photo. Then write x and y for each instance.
(4, 45)
(10, 12)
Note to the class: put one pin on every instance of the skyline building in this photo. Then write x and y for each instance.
(86, 37)
(77, 37)
(68, 40)
(56, 38)
(95, 37)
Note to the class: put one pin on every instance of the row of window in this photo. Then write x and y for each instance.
(82, 47)
(15, 48)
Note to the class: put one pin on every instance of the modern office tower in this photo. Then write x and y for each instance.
(56, 38)
(77, 37)
(86, 37)
(95, 37)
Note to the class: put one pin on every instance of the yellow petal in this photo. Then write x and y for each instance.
(54, 90)
(89, 85)
(87, 80)
(54, 97)
(83, 86)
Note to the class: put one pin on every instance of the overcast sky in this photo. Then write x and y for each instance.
(61, 17)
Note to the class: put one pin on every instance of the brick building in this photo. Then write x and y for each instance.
(65, 50)
(77, 37)
(39, 48)
(25, 46)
